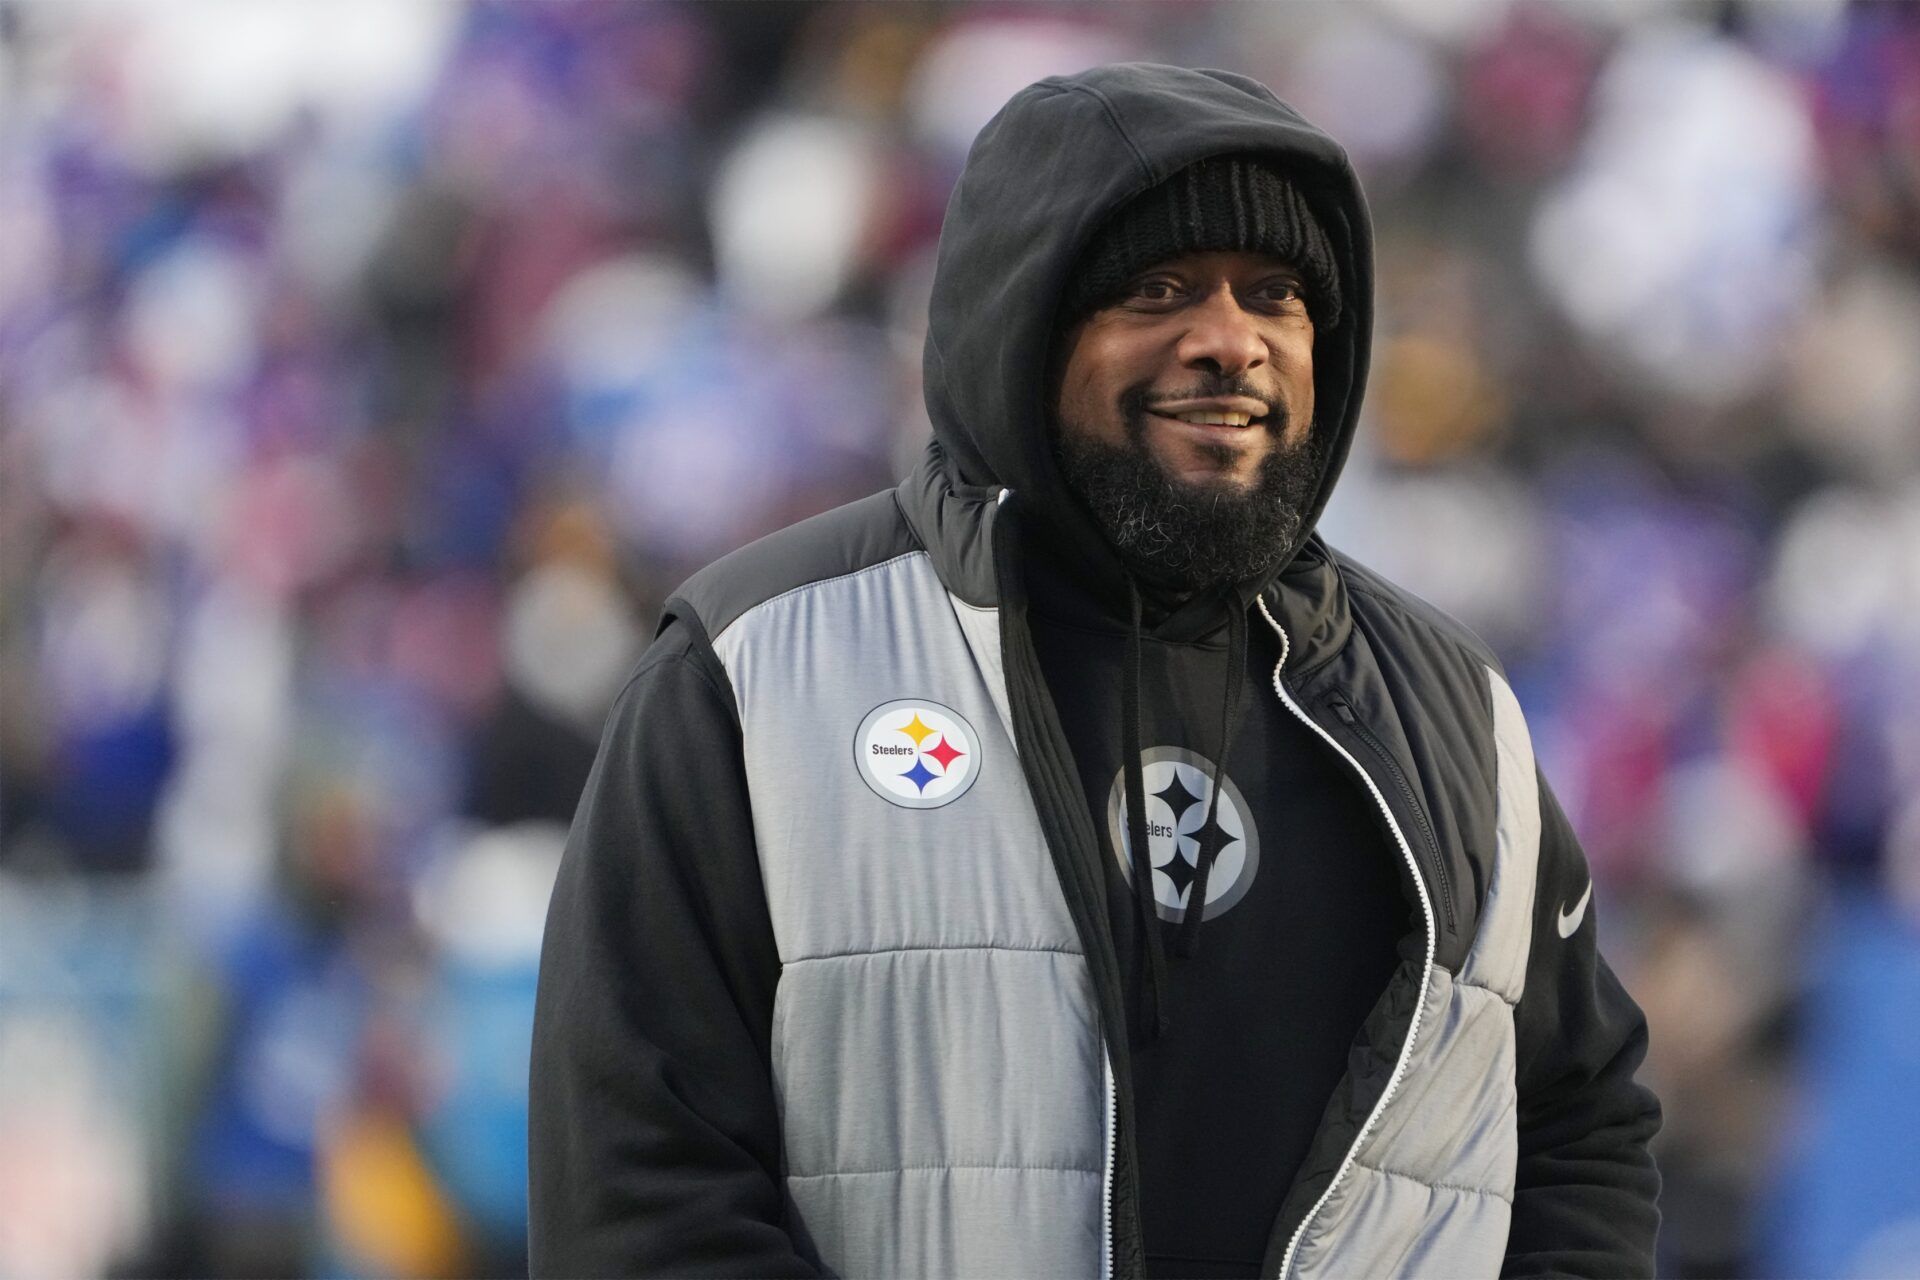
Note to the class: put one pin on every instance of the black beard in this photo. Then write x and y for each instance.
(1190, 536)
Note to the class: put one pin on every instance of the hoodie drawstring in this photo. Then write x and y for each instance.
(1211, 837)
(1153, 1007)
(1153, 1012)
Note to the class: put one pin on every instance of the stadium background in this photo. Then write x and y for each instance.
(369, 371)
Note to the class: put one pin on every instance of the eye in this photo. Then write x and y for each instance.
(1282, 298)
(1153, 289)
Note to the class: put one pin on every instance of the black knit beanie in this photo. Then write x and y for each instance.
(1230, 202)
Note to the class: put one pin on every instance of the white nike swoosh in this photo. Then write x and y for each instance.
(1570, 920)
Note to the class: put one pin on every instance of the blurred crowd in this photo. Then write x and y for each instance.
(370, 372)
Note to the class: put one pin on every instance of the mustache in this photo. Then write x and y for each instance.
(1138, 399)
(1136, 402)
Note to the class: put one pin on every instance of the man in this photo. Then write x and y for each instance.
(875, 949)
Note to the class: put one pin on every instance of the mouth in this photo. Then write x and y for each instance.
(1234, 412)
(1212, 425)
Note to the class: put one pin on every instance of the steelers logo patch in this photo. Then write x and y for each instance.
(1178, 783)
(917, 754)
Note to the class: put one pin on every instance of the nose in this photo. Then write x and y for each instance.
(1221, 336)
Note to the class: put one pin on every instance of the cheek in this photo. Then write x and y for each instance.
(1091, 385)
(1294, 362)
(1075, 394)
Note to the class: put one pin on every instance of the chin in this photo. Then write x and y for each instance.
(1235, 473)
(1204, 483)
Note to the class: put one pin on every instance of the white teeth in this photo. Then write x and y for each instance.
(1216, 419)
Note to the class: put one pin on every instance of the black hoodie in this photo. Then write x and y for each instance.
(656, 1143)
(1238, 1044)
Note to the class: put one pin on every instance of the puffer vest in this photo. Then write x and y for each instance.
(944, 1048)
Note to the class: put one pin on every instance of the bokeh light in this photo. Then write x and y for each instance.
(370, 372)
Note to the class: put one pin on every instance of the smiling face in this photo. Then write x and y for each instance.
(1193, 349)
(1183, 415)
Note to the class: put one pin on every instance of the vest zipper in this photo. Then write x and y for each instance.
(1426, 972)
(1379, 749)
(1106, 1179)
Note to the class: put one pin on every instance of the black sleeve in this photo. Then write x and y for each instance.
(654, 1139)
(1585, 1197)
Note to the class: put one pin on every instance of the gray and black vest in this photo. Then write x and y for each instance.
(951, 1085)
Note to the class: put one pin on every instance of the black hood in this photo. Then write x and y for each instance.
(1042, 177)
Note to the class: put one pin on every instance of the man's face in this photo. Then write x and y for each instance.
(1183, 415)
